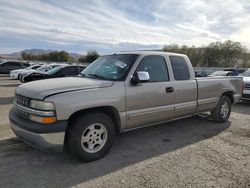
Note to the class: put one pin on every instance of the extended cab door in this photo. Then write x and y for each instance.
(152, 101)
(185, 85)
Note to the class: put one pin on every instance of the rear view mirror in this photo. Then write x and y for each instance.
(140, 76)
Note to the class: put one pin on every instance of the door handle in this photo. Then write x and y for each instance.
(169, 89)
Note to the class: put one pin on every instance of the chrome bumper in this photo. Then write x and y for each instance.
(246, 95)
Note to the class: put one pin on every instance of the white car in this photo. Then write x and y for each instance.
(246, 80)
(16, 73)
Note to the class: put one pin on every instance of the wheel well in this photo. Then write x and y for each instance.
(230, 95)
(108, 110)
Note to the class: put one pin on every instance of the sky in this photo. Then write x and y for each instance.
(111, 26)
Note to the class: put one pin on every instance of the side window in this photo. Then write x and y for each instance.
(81, 68)
(180, 68)
(69, 71)
(14, 64)
(4, 64)
(156, 67)
(25, 65)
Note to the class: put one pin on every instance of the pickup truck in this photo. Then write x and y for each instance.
(116, 93)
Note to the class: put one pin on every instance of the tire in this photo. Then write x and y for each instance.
(222, 111)
(91, 136)
(19, 76)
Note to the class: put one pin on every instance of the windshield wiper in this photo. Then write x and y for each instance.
(97, 76)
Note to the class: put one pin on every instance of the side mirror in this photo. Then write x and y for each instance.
(140, 76)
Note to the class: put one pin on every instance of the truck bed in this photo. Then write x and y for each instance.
(211, 88)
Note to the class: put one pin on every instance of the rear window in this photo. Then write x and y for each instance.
(180, 68)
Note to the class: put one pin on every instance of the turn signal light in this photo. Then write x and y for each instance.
(48, 119)
(42, 119)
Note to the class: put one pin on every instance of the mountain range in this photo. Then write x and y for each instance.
(18, 55)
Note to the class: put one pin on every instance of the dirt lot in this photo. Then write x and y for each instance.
(193, 152)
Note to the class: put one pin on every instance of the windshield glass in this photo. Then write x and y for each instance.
(46, 68)
(54, 70)
(34, 67)
(246, 73)
(111, 67)
(43, 68)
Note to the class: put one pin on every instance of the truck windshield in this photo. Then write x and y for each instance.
(111, 67)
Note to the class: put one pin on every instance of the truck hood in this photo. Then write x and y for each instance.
(43, 88)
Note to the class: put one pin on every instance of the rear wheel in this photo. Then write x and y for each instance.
(222, 111)
(91, 136)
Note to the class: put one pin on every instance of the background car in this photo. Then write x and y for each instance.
(222, 73)
(200, 74)
(60, 71)
(41, 69)
(246, 89)
(7, 66)
(16, 73)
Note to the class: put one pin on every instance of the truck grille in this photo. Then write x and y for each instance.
(246, 96)
(22, 113)
(23, 101)
(247, 86)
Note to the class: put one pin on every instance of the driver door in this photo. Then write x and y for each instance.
(152, 101)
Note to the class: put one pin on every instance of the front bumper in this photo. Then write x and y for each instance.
(13, 75)
(44, 137)
(246, 95)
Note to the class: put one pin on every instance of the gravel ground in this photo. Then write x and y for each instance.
(193, 152)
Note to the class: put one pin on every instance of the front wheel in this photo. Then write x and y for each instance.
(222, 111)
(91, 136)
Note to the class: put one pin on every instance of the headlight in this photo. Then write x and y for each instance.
(42, 105)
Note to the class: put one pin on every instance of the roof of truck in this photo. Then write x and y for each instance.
(150, 53)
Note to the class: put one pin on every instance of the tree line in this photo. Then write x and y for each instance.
(61, 56)
(216, 54)
(90, 57)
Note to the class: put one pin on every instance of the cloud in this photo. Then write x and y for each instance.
(128, 25)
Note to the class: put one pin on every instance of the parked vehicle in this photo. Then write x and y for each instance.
(200, 74)
(60, 71)
(15, 74)
(233, 71)
(117, 93)
(246, 80)
(7, 66)
(222, 73)
(41, 69)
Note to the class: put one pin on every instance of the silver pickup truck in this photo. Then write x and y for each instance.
(116, 93)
